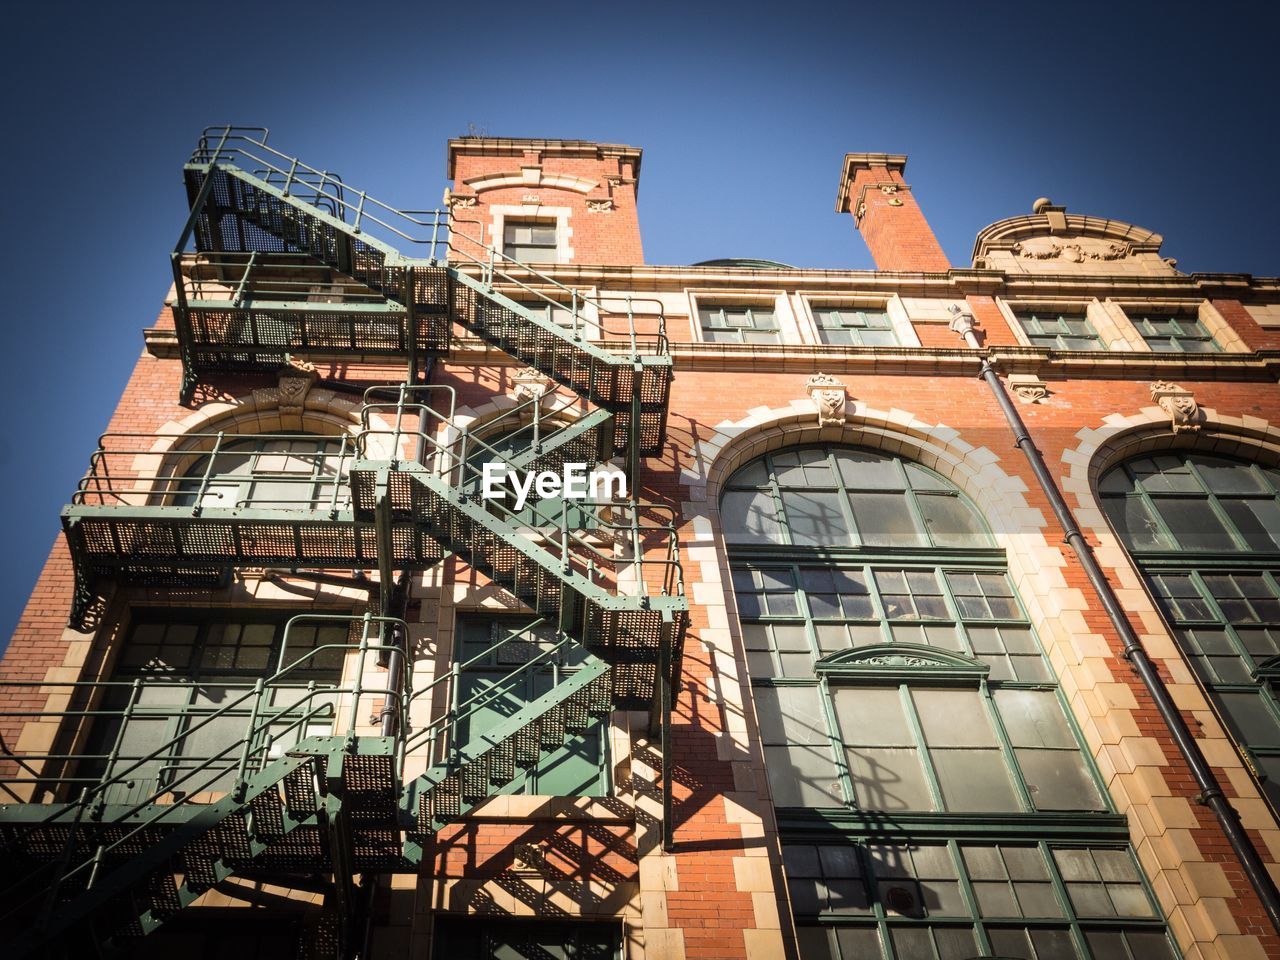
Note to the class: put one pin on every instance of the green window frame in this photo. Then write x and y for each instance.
(545, 512)
(904, 704)
(846, 497)
(1193, 502)
(851, 664)
(1205, 532)
(955, 899)
(530, 241)
(855, 326)
(297, 471)
(189, 666)
(1062, 331)
(581, 767)
(1175, 333)
(739, 324)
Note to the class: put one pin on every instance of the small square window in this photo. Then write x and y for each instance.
(739, 325)
(1060, 331)
(856, 326)
(1175, 333)
(530, 241)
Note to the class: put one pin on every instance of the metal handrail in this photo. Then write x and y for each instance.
(586, 556)
(227, 144)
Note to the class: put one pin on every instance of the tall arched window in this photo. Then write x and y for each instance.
(1206, 532)
(920, 756)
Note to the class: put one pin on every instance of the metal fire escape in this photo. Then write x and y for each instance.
(278, 261)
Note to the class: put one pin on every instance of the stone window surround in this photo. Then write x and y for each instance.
(534, 211)
(1215, 323)
(1112, 326)
(789, 326)
(806, 302)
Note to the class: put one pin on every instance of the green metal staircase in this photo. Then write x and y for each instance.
(251, 203)
(276, 261)
(94, 875)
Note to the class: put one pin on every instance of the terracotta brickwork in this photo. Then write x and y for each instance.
(720, 892)
(588, 190)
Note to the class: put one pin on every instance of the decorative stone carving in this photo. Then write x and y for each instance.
(1184, 412)
(530, 856)
(599, 206)
(888, 188)
(1043, 248)
(829, 396)
(530, 198)
(529, 384)
(454, 201)
(289, 395)
(1028, 388)
(294, 384)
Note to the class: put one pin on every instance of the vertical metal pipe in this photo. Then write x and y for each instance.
(1211, 794)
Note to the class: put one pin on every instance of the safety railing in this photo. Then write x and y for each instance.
(239, 279)
(269, 731)
(438, 740)
(288, 697)
(438, 236)
(200, 470)
(615, 543)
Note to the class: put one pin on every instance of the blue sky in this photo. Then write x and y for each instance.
(1154, 114)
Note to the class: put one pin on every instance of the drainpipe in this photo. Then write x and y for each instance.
(1211, 795)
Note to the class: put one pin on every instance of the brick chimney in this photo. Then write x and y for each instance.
(547, 201)
(887, 215)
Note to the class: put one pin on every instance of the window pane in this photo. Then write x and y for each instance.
(885, 519)
(750, 517)
(1135, 524)
(1193, 524)
(951, 522)
(815, 518)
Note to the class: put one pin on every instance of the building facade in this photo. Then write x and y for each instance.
(930, 611)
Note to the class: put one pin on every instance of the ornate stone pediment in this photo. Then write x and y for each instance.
(829, 396)
(1051, 240)
(1180, 404)
(891, 660)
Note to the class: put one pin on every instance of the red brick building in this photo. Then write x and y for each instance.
(939, 618)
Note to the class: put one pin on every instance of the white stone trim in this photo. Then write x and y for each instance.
(531, 176)
(534, 211)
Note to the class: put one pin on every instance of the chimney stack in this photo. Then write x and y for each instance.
(887, 215)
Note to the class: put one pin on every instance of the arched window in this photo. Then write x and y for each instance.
(268, 471)
(1205, 531)
(834, 496)
(901, 691)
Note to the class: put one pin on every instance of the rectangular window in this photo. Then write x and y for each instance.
(1062, 331)
(530, 241)
(739, 325)
(857, 326)
(1175, 333)
(196, 698)
(499, 678)
(560, 315)
(958, 900)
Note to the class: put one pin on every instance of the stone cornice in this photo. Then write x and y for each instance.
(957, 282)
(1259, 366)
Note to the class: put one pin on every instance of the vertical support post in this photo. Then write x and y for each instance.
(664, 704)
(411, 324)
